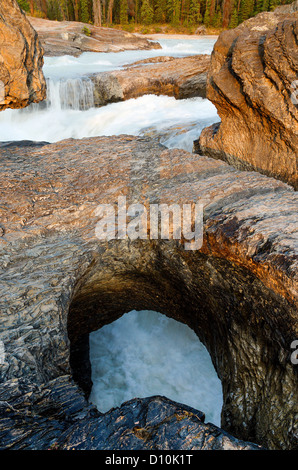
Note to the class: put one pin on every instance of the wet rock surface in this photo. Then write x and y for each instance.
(182, 78)
(252, 82)
(21, 78)
(68, 38)
(59, 282)
(57, 416)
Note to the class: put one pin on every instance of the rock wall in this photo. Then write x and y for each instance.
(59, 282)
(21, 59)
(252, 81)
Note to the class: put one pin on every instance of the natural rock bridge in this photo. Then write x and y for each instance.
(59, 283)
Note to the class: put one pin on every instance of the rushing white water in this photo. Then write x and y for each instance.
(146, 114)
(69, 109)
(146, 353)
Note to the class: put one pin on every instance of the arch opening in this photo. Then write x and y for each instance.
(228, 308)
(146, 353)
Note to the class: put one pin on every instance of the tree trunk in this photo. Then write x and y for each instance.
(227, 5)
(76, 9)
(32, 7)
(44, 7)
(97, 12)
(110, 12)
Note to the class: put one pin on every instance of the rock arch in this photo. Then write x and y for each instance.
(228, 308)
(238, 292)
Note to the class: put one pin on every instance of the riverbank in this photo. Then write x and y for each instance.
(184, 37)
(73, 38)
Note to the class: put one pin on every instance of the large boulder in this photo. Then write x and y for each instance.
(179, 77)
(21, 59)
(252, 82)
(59, 281)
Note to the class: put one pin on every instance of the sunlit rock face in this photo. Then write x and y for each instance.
(253, 83)
(183, 77)
(59, 282)
(21, 59)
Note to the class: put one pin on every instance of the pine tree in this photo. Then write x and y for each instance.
(123, 12)
(226, 14)
(85, 11)
(110, 12)
(194, 15)
(207, 19)
(258, 6)
(217, 19)
(234, 19)
(246, 9)
(32, 7)
(160, 13)
(147, 12)
(173, 8)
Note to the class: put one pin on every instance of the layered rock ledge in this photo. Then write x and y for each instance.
(179, 77)
(253, 84)
(59, 282)
(21, 59)
(68, 38)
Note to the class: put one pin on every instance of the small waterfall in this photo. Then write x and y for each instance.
(71, 93)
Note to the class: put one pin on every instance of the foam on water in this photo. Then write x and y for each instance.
(133, 117)
(146, 353)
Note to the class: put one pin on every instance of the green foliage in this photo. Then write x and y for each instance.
(177, 13)
(207, 18)
(217, 19)
(234, 19)
(147, 12)
(24, 4)
(123, 12)
(273, 4)
(173, 7)
(86, 31)
(160, 13)
(194, 15)
(85, 18)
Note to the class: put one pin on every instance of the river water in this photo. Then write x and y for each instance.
(69, 111)
(146, 353)
(142, 353)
